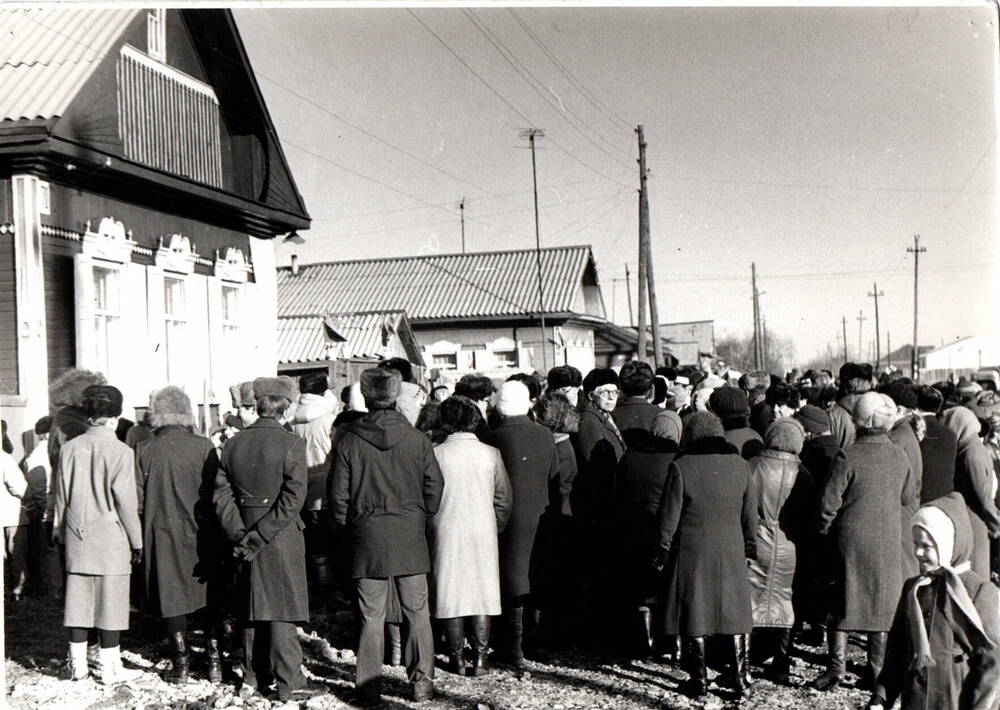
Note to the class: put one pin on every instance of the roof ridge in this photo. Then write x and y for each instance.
(436, 256)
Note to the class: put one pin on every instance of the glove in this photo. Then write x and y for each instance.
(249, 547)
(137, 556)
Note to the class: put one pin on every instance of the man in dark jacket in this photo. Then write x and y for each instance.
(938, 449)
(731, 406)
(259, 493)
(634, 413)
(384, 485)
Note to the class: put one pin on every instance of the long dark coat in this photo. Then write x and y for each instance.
(181, 535)
(385, 483)
(939, 450)
(707, 526)
(975, 479)
(902, 436)
(862, 504)
(812, 585)
(959, 680)
(529, 454)
(599, 447)
(552, 564)
(261, 485)
(639, 490)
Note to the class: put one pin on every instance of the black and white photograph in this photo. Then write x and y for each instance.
(500, 355)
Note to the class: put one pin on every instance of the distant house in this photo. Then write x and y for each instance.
(690, 341)
(960, 357)
(475, 311)
(141, 187)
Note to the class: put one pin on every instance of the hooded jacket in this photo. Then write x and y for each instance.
(385, 483)
(313, 423)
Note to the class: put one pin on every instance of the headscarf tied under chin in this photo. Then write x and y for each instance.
(947, 523)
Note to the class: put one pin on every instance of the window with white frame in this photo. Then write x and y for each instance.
(505, 358)
(446, 361)
(231, 315)
(156, 31)
(175, 324)
(107, 313)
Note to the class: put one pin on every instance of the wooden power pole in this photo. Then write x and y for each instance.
(875, 293)
(461, 210)
(645, 245)
(861, 320)
(628, 295)
(916, 250)
(643, 271)
(531, 134)
(843, 322)
(757, 350)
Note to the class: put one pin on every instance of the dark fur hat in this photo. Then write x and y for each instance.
(781, 393)
(635, 378)
(855, 371)
(599, 376)
(170, 406)
(100, 401)
(475, 386)
(729, 402)
(67, 389)
(900, 393)
(380, 387)
(929, 399)
(564, 376)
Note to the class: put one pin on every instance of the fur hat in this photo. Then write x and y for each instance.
(929, 399)
(513, 399)
(242, 395)
(701, 425)
(813, 419)
(281, 386)
(635, 378)
(900, 393)
(781, 393)
(875, 411)
(67, 389)
(380, 387)
(564, 376)
(855, 371)
(729, 402)
(475, 386)
(102, 401)
(786, 435)
(599, 376)
(170, 406)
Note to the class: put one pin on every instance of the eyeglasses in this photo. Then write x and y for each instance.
(606, 393)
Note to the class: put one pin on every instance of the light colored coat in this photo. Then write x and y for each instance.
(14, 488)
(313, 423)
(96, 506)
(475, 507)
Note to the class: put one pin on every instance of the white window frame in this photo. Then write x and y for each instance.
(156, 34)
(175, 327)
(232, 323)
(106, 320)
(445, 366)
(500, 356)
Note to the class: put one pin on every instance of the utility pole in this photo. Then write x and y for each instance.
(645, 244)
(888, 349)
(861, 319)
(843, 322)
(628, 295)
(531, 134)
(875, 293)
(916, 250)
(641, 295)
(461, 209)
(763, 338)
(757, 350)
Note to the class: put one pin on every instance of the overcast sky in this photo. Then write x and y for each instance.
(813, 141)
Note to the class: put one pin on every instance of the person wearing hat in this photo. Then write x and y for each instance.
(183, 543)
(902, 435)
(480, 389)
(384, 485)
(855, 380)
(244, 402)
(938, 448)
(976, 480)
(871, 483)
(784, 495)
(634, 413)
(259, 493)
(96, 518)
(944, 645)
(731, 406)
(529, 455)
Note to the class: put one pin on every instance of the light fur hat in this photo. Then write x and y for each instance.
(785, 434)
(875, 411)
(281, 386)
(67, 389)
(170, 406)
(513, 399)
(242, 395)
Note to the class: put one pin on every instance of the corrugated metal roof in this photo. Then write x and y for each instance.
(47, 55)
(479, 284)
(307, 338)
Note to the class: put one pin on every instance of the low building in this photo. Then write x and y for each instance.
(691, 342)
(141, 187)
(960, 357)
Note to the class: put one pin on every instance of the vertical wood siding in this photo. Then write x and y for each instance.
(60, 306)
(8, 317)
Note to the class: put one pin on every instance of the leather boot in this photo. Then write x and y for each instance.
(876, 656)
(837, 663)
(697, 685)
(515, 624)
(214, 660)
(480, 646)
(179, 656)
(454, 637)
(646, 644)
(781, 666)
(741, 680)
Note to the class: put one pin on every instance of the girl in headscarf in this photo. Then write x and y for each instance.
(975, 480)
(942, 650)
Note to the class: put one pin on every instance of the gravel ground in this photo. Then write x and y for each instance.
(36, 645)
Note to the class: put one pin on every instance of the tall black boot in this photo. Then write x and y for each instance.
(179, 652)
(837, 663)
(454, 636)
(741, 680)
(480, 645)
(697, 684)
(646, 642)
(876, 657)
(214, 660)
(515, 627)
(781, 666)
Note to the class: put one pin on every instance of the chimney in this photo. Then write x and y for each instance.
(295, 264)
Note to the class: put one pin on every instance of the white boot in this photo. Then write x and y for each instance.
(111, 669)
(76, 662)
(92, 654)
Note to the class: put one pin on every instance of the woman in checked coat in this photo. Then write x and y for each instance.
(474, 508)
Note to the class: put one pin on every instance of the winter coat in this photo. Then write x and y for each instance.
(707, 528)
(136, 435)
(641, 476)
(384, 485)
(842, 420)
(261, 486)
(38, 474)
(177, 472)
(977, 482)
(599, 448)
(813, 552)
(96, 512)
(902, 436)
(870, 485)
(475, 506)
(965, 680)
(939, 451)
(555, 542)
(774, 477)
(747, 441)
(634, 416)
(817, 455)
(15, 488)
(313, 423)
(529, 454)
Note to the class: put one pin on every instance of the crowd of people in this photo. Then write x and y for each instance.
(704, 520)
